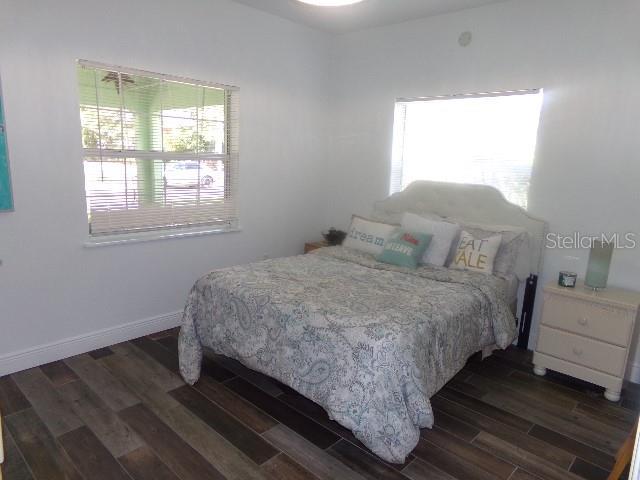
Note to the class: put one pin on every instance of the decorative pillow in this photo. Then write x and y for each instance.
(513, 255)
(476, 254)
(367, 236)
(405, 248)
(444, 233)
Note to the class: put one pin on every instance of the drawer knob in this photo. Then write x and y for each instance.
(583, 321)
(577, 351)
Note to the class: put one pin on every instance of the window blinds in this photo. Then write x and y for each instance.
(160, 152)
(484, 139)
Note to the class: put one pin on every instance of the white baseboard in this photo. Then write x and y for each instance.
(31, 357)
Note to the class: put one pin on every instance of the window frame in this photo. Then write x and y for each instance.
(229, 158)
(397, 151)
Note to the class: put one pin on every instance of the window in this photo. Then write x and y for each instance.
(484, 139)
(160, 152)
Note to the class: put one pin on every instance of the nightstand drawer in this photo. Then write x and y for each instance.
(608, 324)
(582, 351)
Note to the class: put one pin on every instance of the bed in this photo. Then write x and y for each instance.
(368, 341)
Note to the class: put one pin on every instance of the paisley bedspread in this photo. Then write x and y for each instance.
(369, 342)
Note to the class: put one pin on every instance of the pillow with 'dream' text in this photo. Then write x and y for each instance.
(367, 236)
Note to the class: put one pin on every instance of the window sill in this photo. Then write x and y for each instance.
(109, 240)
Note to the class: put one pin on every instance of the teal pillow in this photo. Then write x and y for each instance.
(405, 248)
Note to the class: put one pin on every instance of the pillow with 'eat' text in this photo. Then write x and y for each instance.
(474, 254)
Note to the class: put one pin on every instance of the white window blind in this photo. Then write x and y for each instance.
(160, 152)
(484, 139)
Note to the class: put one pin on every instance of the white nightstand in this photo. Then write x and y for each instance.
(587, 334)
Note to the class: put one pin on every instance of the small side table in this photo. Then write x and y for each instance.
(587, 334)
(311, 246)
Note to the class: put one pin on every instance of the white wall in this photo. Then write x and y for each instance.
(51, 287)
(316, 127)
(584, 53)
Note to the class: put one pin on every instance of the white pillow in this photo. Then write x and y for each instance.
(368, 236)
(477, 255)
(443, 235)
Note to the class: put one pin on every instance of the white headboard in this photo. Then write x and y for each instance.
(471, 203)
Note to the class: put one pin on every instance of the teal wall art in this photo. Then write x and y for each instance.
(6, 197)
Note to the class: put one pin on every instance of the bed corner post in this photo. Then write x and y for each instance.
(526, 317)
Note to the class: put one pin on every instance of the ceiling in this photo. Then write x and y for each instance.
(369, 13)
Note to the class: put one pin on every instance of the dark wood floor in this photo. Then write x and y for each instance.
(124, 413)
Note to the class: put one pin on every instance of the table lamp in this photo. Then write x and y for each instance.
(599, 263)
